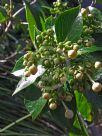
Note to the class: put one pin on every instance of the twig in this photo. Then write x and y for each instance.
(50, 126)
(90, 78)
(12, 37)
(10, 15)
(83, 124)
(66, 108)
(14, 123)
(14, 15)
(8, 78)
(17, 12)
(7, 27)
(24, 23)
(13, 55)
(18, 134)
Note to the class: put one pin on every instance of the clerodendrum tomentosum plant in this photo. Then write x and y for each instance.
(61, 73)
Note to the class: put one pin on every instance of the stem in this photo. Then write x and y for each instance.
(83, 125)
(66, 108)
(17, 134)
(8, 26)
(12, 37)
(14, 15)
(17, 12)
(10, 15)
(90, 78)
(14, 123)
(11, 7)
(5, 89)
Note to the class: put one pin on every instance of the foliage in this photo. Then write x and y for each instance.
(60, 62)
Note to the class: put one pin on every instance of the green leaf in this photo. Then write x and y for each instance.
(49, 22)
(35, 107)
(98, 39)
(33, 17)
(99, 1)
(83, 106)
(76, 29)
(76, 123)
(32, 93)
(68, 25)
(89, 50)
(73, 134)
(76, 129)
(59, 114)
(93, 98)
(18, 65)
(3, 15)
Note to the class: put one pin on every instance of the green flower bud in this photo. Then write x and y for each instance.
(75, 47)
(60, 45)
(56, 61)
(79, 42)
(43, 34)
(45, 43)
(39, 38)
(88, 44)
(46, 63)
(40, 84)
(29, 63)
(68, 43)
(50, 31)
(24, 63)
(27, 56)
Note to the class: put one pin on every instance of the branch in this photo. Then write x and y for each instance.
(14, 123)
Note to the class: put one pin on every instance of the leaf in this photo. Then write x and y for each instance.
(96, 12)
(83, 106)
(18, 65)
(19, 73)
(59, 114)
(69, 25)
(93, 98)
(33, 16)
(99, 1)
(49, 22)
(25, 82)
(3, 15)
(98, 39)
(75, 131)
(89, 50)
(32, 93)
(35, 107)
(76, 29)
